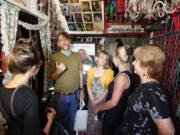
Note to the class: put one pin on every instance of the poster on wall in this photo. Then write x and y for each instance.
(88, 47)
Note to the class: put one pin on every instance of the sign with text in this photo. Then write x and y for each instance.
(88, 47)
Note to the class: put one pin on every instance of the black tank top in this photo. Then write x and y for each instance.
(121, 106)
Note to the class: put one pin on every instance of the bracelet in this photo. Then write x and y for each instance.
(81, 88)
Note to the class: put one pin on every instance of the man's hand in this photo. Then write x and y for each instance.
(60, 67)
(82, 95)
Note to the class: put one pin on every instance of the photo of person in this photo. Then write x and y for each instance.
(98, 22)
(72, 26)
(42, 6)
(74, 1)
(78, 17)
(89, 26)
(85, 6)
(63, 1)
(80, 26)
(75, 7)
(65, 10)
(97, 17)
(69, 18)
(87, 17)
(96, 5)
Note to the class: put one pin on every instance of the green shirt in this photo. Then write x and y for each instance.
(69, 80)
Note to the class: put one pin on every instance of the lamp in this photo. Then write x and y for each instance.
(150, 9)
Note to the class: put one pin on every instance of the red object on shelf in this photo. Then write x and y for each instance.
(118, 24)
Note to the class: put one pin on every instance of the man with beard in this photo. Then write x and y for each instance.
(66, 69)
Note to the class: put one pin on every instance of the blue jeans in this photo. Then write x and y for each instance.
(66, 107)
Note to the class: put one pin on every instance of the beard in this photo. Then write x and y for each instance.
(65, 47)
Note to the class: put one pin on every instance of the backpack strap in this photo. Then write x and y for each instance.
(12, 99)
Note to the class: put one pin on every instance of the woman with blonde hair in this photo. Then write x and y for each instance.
(147, 111)
(98, 79)
(118, 92)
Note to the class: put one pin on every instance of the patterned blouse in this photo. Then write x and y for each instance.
(148, 102)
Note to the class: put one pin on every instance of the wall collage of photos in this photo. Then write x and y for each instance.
(82, 15)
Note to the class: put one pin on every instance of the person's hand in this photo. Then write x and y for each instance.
(95, 109)
(50, 114)
(82, 95)
(93, 102)
(60, 67)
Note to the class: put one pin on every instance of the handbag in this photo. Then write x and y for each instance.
(81, 119)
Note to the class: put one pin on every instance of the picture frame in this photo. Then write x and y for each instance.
(96, 5)
(74, 1)
(63, 1)
(86, 6)
(80, 26)
(87, 17)
(72, 26)
(78, 17)
(89, 26)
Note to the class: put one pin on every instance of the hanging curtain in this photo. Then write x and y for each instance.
(9, 22)
(46, 46)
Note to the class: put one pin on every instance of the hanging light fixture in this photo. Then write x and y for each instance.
(150, 9)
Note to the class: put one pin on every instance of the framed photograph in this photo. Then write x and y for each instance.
(75, 7)
(97, 17)
(65, 10)
(72, 26)
(69, 18)
(98, 25)
(89, 26)
(80, 26)
(78, 17)
(63, 1)
(87, 17)
(86, 6)
(42, 6)
(96, 5)
(74, 1)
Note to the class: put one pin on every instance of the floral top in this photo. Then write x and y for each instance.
(148, 102)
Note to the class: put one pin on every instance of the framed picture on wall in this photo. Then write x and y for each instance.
(96, 5)
(72, 26)
(80, 26)
(90, 49)
(86, 6)
(78, 17)
(87, 17)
